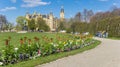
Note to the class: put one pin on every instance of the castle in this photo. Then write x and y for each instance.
(50, 20)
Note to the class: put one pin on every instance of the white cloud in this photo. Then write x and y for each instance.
(14, 1)
(103, 0)
(7, 9)
(33, 3)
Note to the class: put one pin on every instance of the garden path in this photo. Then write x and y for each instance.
(105, 55)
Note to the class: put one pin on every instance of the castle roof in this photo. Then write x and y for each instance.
(62, 9)
(44, 16)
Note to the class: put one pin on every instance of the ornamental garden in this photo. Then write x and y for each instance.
(16, 48)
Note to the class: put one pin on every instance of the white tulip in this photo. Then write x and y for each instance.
(16, 49)
(1, 63)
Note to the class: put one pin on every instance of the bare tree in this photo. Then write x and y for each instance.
(89, 15)
(3, 22)
(85, 15)
(78, 17)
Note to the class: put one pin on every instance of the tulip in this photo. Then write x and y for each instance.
(6, 42)
(51, 39)
(16, 49)
(1, 63)
(9, 38)
(29, 41)
(36, 39)
(25, 38)
(21, 41)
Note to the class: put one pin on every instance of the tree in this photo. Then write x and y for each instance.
(80, 27)
(89, 15)
(108, 21)
(3, 22)
(85, 15)
(41, 24)
(108, 14)
(73, 27)
(21, 21)
(10, 26)
(31, 24)
(61, 26)
(78, 17)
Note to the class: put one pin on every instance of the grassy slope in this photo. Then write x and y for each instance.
(41, 60)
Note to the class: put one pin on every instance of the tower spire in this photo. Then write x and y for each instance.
(62, 14)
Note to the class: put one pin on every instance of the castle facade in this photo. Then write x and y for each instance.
(50, 20)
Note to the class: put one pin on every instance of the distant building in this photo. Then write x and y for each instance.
(50, 20)
(62, 16)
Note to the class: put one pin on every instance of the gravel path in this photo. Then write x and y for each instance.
(105, 55)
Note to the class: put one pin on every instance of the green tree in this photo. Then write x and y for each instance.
(10, 26)
(41, 24)
(61, 26)
(31, 24)
(21, 21)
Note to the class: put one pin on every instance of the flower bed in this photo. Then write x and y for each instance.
(33, 48)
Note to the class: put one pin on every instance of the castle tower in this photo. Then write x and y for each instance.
(27, 15)
(51, 20)
(62, 14)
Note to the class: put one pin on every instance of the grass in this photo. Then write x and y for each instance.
(115, 38)
(47, 59)
(15, 37)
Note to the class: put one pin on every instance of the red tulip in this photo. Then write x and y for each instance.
(21, 41)
(29, 41)
(6, 42)
(36, 39)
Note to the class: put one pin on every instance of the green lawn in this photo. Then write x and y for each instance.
(115, 38)
(15, 37)
(46, 59)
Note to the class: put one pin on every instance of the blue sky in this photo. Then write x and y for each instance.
(14, 8)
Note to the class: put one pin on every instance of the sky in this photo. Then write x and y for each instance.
(14, 8)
